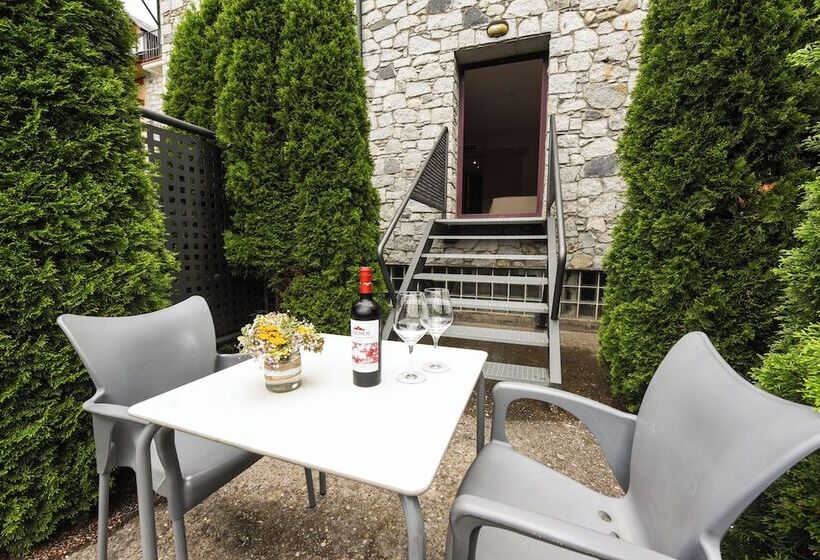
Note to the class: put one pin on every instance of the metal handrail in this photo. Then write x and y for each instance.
(554, 196)
(176, 123)
(395, 220)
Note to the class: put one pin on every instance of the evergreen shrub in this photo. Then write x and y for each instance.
(258, 242)
(711, 156)
(325, 130)
(192, 90)
(785, 521)
(81, 231)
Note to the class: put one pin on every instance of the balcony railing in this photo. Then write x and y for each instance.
(148, 46)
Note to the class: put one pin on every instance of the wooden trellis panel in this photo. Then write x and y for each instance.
(193, 199)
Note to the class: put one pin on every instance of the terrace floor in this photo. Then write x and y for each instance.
(263, 513)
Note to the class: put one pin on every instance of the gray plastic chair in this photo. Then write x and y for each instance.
(131, 359)
(703, 446)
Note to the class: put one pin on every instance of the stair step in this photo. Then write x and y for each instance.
(497, 305)
(483, 237)
(484, 278)
(486, 256)
(515, 372)
(489, 221)
(501, 335)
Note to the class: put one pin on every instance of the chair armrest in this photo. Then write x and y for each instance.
(110, 411)
(224, 361)
(613, 429)
(470, 513)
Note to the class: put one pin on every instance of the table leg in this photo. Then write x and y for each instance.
(145, 492)
(311, 492)
(416, 535)
(322, 483)
(479, 414)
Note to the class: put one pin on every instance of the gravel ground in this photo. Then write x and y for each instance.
(264, 514)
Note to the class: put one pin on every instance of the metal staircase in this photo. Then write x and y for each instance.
(542, 246)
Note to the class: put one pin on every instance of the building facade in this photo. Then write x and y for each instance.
(434, 63)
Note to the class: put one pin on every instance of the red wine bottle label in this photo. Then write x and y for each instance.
(365, 337)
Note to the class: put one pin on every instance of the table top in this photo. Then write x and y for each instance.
(392, 436)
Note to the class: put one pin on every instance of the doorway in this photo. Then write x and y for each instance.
(502, 116)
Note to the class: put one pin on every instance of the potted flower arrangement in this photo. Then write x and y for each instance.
(276, 341)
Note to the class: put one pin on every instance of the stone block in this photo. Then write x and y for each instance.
(561, 45)
(403, 116)
(603, 166)
(394, 101)
(523, 8)
(385, 72)
(605, 95)
(599, 147)
(585, 40)
(570, 21)
(612, 53)
(529, 26)
(626, 6)
(438, 6)
(397, 11)
(473, 17)
(391, 166)
(594, 129)
(383, 87)
(563, 83)
(420, 45)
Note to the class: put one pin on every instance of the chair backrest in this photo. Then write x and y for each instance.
(134, 358)
(707, 442)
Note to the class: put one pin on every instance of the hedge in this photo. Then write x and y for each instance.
(785, 521)
(191, 91)
(259, 240)
(712, 159)
(80, 232)
(287, 92)
(325, 128)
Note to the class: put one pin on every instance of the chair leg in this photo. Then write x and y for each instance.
(180, 542)
(322, 483)
(145, 493)
(310, 490)
(102, 517)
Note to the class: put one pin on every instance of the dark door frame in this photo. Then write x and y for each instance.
(542, 134)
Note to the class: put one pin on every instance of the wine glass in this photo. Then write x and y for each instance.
(408, 322)
(439, 319)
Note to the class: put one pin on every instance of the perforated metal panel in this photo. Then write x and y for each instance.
(193, 199)
(431, 188)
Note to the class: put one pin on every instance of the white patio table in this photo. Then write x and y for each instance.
(391, 436)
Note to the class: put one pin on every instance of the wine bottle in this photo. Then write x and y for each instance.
(365, 334)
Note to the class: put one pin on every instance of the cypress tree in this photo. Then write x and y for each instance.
(711, 158)
(258, 242)
(192, 90)
(80, 231)
(322, 108)
(785, 521)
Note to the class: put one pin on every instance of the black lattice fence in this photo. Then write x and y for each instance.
(193, 199)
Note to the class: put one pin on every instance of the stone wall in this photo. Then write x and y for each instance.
(412, 86)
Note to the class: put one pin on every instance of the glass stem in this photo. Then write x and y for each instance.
(435, 341)
(410, 358)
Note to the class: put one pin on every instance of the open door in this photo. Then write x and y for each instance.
(502, 128)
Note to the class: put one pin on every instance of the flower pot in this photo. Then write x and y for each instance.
(282, 376)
